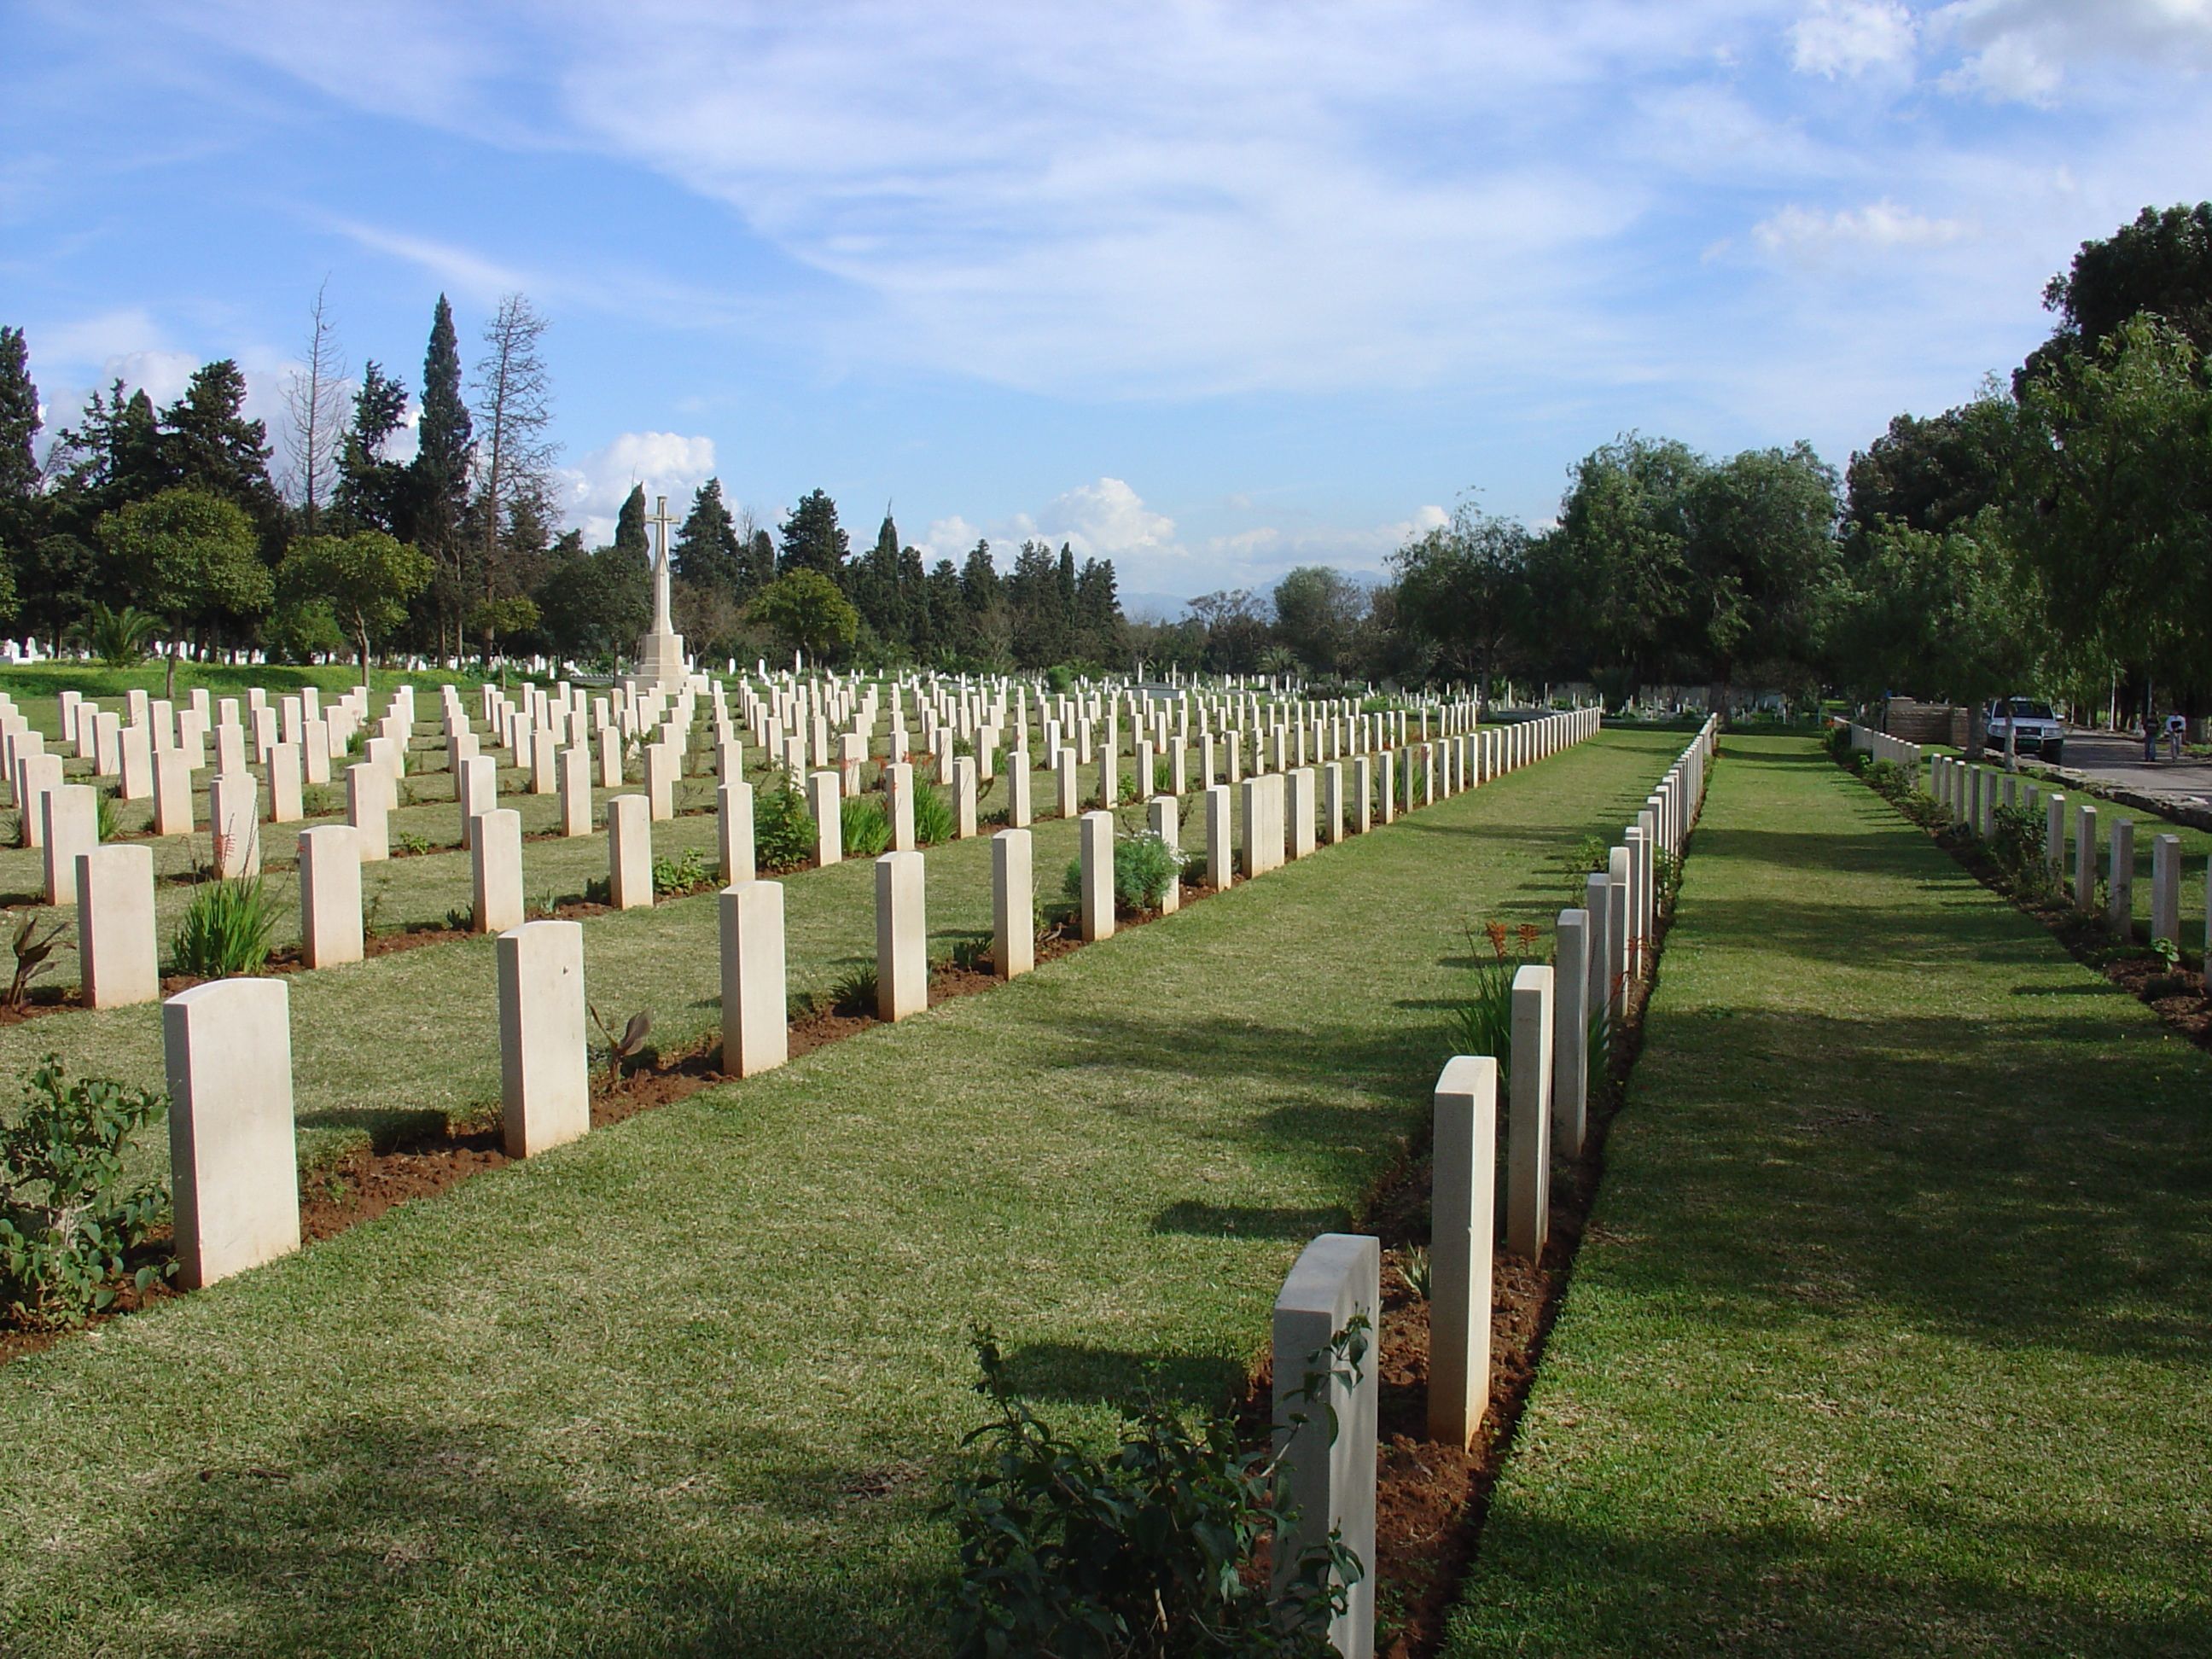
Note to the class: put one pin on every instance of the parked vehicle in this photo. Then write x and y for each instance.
(2035, 729)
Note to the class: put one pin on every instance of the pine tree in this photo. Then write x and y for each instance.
(209, 444)
(444, 453)
(913, 603)
(948, 616)
(812, 539)
(758, 565)
(875, 588)
(1102, 631)
(706, 552)
(372, 493)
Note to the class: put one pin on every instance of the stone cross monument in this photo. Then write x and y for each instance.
(660, 665)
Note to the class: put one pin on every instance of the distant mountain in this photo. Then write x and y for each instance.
(1154, 607)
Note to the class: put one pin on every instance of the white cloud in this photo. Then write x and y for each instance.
(1844, 38)
(666, 463)
(1808, 236)
(458, 270)
(2026, 50)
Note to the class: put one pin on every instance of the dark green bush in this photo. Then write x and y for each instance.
(1145, 1553)
(66, 1221)
(862, 823)
(1144, 866)
(2016, 841)
(932, 817)
(226, 929)
(783, 830)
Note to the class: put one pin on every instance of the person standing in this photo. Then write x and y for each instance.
(2177, 728)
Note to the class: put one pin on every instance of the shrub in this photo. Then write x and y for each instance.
(2016, 841)
(66, 1221)
(783, 830)
(853, 993)
(932, 817)
(33, 951)
(1591, 856)
(226, 929)
(104, 823)
(865, 830)
(677, 877)
(1482, 1020)
(1143, 865)
(1146, 1551)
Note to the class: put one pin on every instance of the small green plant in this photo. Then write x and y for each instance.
(854, 993)
(1482, 1020)
(932, 817)
(105, 824)
(543, 907)
(865, 826)
(1666, 876)
(598, 890)
(1413, 1268)
(783, 830)
(321, 800)
(1144, 866)
(68, 1222)
(33, 949)
(410, 842)
(1590, 857)
(1148, 1550)
(462, 918)
(972, 953)
(226, 929)
(678, 877)
(2168, 953)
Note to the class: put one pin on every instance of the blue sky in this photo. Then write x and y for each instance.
(1209, 289)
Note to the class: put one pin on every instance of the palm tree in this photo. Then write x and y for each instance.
(121, 639)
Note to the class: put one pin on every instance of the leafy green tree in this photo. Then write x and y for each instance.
(367, 580)
(1318, 611)
(593, 604)
(874, 582)
(1460, 586)
(948, 615)
(2114, 506)
(1949, 616)
(1037, 620)
(1625, 526)
(1935, 473)
(1235, 630)
(371, 492)
(193, 557)
(759, 564)
(445, 456)
(812, 539)
(805, 610)
(1761, 550)
(209, 443)
(2161, 263)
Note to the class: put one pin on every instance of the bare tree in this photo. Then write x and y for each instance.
(314, 402)
(513, 407)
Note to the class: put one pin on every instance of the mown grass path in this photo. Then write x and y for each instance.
(693, 1383)
(1892, 1331)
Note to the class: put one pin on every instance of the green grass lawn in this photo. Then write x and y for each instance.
(693, 1383)
(1892, 1333)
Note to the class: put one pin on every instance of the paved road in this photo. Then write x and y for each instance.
(2118, 760)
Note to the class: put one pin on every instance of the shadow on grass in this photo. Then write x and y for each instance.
(2030, 1183)
(372, 1536)
(1246, 1221)
(1782, 1589)
(1082, 1374)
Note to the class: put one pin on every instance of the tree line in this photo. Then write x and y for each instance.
(2052, 534)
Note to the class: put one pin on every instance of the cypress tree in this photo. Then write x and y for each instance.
(876, 587)
(371, 492)
(630, 527)
(757, 568)
(442, 456)
(19, 465)
(914, 601)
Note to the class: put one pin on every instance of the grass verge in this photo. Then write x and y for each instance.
(1889, 1332)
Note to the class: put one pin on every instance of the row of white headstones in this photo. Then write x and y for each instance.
(1600, 947)
(228, 1052)
(548, 734)
(1971, 795)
